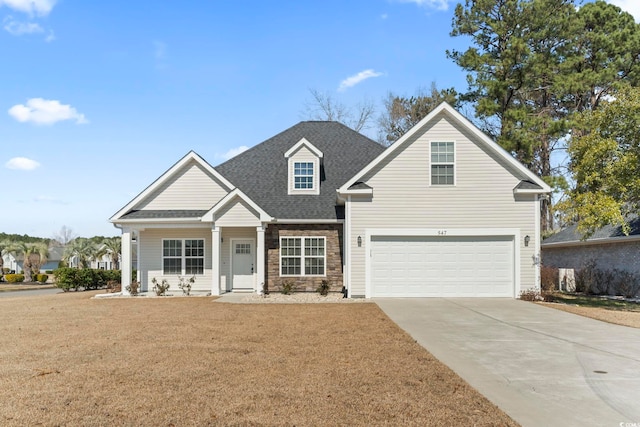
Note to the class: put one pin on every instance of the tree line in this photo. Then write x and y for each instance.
(35, 251)
(543, 78)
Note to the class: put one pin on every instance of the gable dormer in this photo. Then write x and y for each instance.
(303, 165)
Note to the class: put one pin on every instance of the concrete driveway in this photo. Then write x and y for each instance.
(541, 366)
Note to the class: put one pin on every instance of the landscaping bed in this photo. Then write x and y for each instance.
(192, 361)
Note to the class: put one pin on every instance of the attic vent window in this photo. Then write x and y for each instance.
(303, 175)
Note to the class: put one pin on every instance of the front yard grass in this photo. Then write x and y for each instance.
(71, 360)
(617, 311)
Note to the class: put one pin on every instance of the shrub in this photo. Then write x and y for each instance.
(549, 278)
(6, 270)
(133, 288)
(160, 289)
(288, 287)
(625, 283)
(323, 288)
(530, 295)
(68, 278)
(14, 278)
(42, 278)
(113, 286)
(185, 284)
(48, 271)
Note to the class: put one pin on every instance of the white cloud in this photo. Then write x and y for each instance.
(434, 4)
(22, 163)
(355, 79)
(45, 112)
(32, 7)
(50, 37)
(234, 152)
(631, 6)
(17, 28)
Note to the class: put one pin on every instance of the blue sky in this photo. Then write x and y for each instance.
(100, 98)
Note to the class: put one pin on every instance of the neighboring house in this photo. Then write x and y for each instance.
(442, 212)
(608, 247)
(105, 262)
(15, 263)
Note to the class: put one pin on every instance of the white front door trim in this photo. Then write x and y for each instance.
(442, 233)
(253, 262)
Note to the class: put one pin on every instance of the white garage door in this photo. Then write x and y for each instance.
(421, 266)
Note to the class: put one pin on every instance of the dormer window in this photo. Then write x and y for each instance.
(304, 161)
(303, 175)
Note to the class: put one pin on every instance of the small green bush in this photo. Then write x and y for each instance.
(6, 270)
(14, 278)
(42, 278)
(68, 278)
(288, 287)
(48, 271)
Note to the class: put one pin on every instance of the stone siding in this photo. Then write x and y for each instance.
(622, 256)
(334, 255)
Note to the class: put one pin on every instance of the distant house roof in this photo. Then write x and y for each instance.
(608, 234)
(261, 172)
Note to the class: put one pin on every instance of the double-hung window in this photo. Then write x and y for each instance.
(442, 163)
(303, 175)
(302, 256)
(183, 256)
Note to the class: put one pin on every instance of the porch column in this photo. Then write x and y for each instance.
(125, 272)
(260, 259)
(215, 260)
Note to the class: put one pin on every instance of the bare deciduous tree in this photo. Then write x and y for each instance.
(323, 106)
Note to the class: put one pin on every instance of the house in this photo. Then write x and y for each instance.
(14, 262)
(442, 212)
(608, 248)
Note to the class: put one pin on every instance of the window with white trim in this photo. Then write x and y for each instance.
(442, 163)
(183, 256)
(303, 175)
(302, 256)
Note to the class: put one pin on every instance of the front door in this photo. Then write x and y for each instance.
(242, 265)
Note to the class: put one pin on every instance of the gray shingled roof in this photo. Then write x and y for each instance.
(162, 214)
(261, 172)
(528, 185)
(571, 233)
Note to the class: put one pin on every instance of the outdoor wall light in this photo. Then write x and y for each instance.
(527, 239)
(221, 239)
(359, 241)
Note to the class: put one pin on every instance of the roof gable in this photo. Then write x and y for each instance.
(450, 114)
(303, 143)
(233, 198)
(262, 175)
(191, 168)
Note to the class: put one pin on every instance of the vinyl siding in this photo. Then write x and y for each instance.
(304, 155)
(151, 258)
(482, 197)
(193, 188)
(237, 213)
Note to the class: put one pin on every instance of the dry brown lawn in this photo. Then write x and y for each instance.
(71, 360)
(617, 317)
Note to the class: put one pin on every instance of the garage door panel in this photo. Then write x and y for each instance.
(442, 266)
